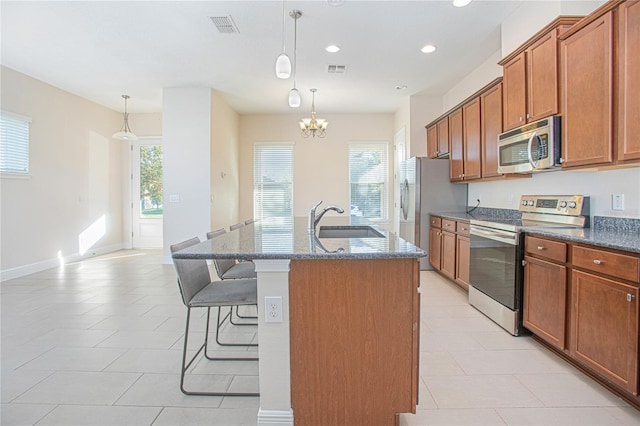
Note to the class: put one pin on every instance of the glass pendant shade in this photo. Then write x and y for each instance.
(294, 98)
(283, 66)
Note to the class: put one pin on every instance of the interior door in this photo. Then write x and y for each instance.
(146, 193)
(399, 144)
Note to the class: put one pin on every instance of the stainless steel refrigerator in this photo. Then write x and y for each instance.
(425, 188)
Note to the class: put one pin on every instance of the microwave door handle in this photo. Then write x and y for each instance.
(534, 164)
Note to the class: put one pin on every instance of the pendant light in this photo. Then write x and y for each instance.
(294, 95)
(125, 133)
(283, 63)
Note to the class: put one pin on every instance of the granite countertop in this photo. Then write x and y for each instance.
(289, 239)
(607, 232)
(608, 238)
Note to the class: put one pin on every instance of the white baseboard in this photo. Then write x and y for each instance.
(275, 417)
(21, 271)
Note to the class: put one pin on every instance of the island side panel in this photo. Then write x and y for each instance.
(354, 329)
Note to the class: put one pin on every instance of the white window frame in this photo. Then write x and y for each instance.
(261, 145)
(24, 145)
(384, 203)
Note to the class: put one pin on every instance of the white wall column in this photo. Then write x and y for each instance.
(186, 130)
(273, 345)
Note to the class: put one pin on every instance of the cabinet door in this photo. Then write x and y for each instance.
(443, 135)
(463, 251)
(434, 248)
(629, 84)
(514, 96)
(448, 259)
(491, 124)
(587, 97)
(456, 167)
(542, 78)
(432, 141)
(604, 327)
(545, 300)
(471, 139)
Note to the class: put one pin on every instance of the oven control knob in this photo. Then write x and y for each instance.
(530, 203)
(563, 204)
(572, 205)
(524, 202)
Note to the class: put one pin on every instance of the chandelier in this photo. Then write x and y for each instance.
(313, 126)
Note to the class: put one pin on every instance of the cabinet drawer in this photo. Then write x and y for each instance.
(541, 247)
(462, 228)
(436, 222)
(605, 262)
(449, 225)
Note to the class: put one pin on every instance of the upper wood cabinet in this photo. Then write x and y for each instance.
(587, 97)
(438, 139)
(456, 152)
(629, 83)
(471, 140)
(600, 102)
(530, 76)
(515, 99)
(491, 127)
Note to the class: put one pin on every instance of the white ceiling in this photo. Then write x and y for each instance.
(100, 50)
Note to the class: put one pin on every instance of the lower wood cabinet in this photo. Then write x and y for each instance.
(449, 249)
(448, 259)
(354, 340)
(545, 300)
(586, 305)
(604, 328)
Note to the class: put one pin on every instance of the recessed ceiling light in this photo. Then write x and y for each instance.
(401, 87)
(336, 3)
(461, 3)
(429, 48)
(332, 48)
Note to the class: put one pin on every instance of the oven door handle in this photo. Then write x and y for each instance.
(506, 237)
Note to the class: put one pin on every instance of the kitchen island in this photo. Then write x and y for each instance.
(346, 351)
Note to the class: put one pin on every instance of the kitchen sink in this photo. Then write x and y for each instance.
(348, 232)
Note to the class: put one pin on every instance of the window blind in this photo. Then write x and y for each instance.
(272, 181)
(368, 180)
(14, 143)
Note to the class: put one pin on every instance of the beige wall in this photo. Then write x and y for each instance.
(320, 166)
(77, 178)
(225, 179)
(148, 124)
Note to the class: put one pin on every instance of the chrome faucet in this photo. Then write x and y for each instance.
(313, 219)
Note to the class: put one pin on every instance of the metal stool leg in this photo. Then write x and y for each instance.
(185, 365)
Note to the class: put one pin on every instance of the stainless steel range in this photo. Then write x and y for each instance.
(496, 268)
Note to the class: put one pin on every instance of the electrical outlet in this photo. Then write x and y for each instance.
(617, 201)
(273, 309)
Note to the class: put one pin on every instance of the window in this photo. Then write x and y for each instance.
(273, 181)
(368, 180)
(14, 143)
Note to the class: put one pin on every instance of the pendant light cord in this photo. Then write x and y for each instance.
(284, 16)
(295, 49)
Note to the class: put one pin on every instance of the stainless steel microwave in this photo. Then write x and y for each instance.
(530, 148)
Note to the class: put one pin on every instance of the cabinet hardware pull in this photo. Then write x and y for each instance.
(528, 115)
(630, 297)
(520, 118)
(597, 262)
(540, 248)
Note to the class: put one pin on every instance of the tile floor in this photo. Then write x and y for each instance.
(99, 342)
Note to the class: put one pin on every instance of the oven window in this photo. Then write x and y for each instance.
(514, 153)
(492, 269)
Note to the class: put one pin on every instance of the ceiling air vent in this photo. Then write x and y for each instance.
(336, 69)
(225, 24)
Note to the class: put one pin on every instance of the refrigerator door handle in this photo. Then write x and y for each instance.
(404, 199)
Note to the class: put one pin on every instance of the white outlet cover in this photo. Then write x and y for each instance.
(273, 309)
